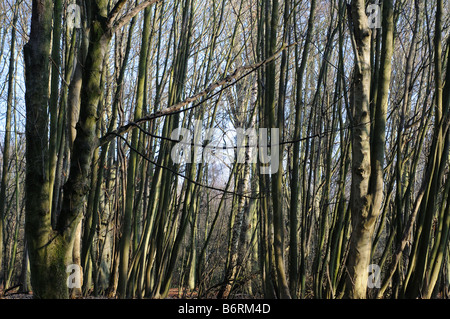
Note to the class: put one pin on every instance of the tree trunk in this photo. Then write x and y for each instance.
(51, 249)
(125, 241)
(368, 160)
(360, 245)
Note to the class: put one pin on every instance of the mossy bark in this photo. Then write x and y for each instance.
(48, 266)
(50, 249)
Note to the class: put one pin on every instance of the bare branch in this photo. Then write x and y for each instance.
(114, 25)
(115, 11)
(224, 191)
(228, 81)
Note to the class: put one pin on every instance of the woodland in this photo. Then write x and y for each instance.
(125, 173)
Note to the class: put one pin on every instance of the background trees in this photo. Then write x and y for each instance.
(88, 171)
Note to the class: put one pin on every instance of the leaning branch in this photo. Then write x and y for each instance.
(228, 81)
(115, 12)
(115, 25)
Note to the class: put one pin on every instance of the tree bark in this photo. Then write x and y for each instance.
(360, 244)
(368, 144)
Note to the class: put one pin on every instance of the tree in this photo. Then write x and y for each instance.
(368, 143)
(50, 249)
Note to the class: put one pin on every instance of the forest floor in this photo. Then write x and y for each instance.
(173, 294)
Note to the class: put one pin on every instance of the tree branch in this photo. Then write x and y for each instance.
(224, 191)
(228, 81)
(115, 11)
(115, 24)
